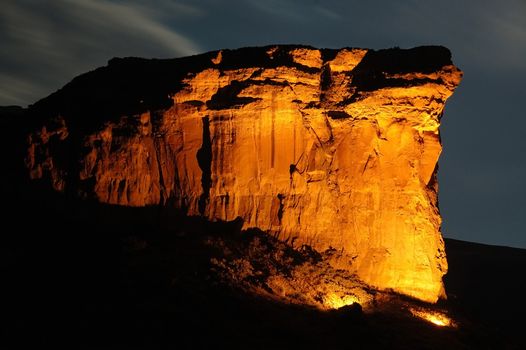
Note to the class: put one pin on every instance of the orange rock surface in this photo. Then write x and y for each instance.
(335, 149)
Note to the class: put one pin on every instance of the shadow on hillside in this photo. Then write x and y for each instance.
(91, 274)
(487, 285)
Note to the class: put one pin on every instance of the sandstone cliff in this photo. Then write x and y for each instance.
(335, 149)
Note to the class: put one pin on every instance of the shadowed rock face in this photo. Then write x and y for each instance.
(335, 149)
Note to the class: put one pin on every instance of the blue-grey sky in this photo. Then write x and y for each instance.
(44, 44)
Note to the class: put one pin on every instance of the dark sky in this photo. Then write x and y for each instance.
(44, 44)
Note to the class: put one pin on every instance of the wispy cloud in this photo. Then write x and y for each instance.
(295, 10)
(17, 91)
(50, 42)
(508, 29)
(280, 9)
(54, 41)
(330, 14)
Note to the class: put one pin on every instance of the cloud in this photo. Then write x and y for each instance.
(51, 43)
(482, 35)
(508, 35)
(16, 90)
(281, 9)
(294, 10)
(330, 14)
(103, 18)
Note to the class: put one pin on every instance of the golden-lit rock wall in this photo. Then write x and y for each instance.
(336, 149)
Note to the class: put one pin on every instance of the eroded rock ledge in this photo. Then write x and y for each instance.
(334, 149)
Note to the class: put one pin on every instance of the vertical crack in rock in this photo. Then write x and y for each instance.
(281, 197)
(162, 184)
(204, 159)
(325, 80)
(272, 130)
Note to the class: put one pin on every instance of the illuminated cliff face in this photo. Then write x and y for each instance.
(336, 149)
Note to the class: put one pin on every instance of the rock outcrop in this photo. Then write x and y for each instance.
(334, 149)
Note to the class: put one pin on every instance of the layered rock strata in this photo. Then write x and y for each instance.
(334, 149)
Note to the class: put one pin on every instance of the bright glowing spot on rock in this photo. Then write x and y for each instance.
(334, 301)
(435, 317)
